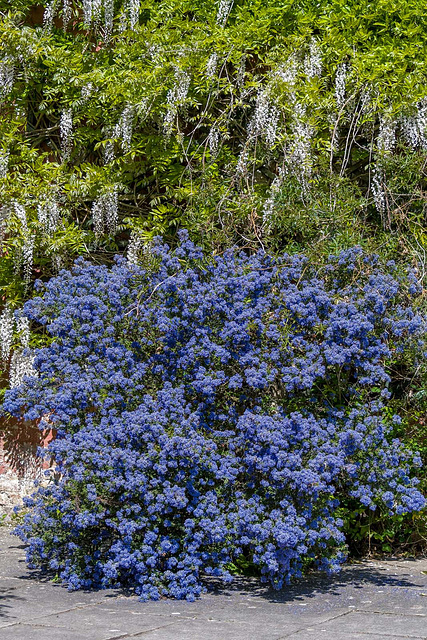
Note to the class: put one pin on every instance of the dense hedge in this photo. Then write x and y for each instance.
(209, 411)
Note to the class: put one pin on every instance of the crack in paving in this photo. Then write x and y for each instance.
(55, 613)
(118, 637)
(141, 633)
(317, 624)
(396, 614)
(378, 633)
(355, 635)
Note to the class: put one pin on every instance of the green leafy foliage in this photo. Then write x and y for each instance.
(198, 122)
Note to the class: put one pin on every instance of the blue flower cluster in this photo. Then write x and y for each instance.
(209, 409)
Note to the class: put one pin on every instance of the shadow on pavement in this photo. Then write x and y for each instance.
(354, 576)
(7, 598)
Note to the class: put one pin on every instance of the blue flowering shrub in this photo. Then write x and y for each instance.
(213, 409)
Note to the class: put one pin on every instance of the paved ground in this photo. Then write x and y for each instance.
(367, 601)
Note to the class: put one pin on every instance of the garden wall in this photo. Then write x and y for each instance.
(19, 465)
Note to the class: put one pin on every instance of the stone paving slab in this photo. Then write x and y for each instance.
(368, 601)
(379, 624)
(354, 635)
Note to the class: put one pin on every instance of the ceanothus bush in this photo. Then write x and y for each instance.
(213, 409)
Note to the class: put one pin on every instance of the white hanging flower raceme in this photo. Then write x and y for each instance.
(108, 18)
(212, 65)
(302, 149)
(134, 247)
(288, 71)
(96, 10)
(48, 15)
(87, 90)
(340, 84)
(213, 140)
(386, 142)
(270, 132)
(111, 214)
(133, 8)
(105, 211)
(7, 324)
(176, 97)
(262, 112)
(48, 215)
(180, 90)
(4, 162)
(109, 149)
(28, 244)
(98, 216)
(123, 129)
(410, 131)
(92, 10)
(265, 119)
(224, 9)
(242, 162)
(7, 76)
(415, 127)
(313, 62)
(27, 256)
(21, 365)
(66, 13)
(109, 153)
(4, 216)
(87, 11)
(66, 132)
(387, 135)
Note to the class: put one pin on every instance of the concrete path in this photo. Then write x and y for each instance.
(367, 601)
